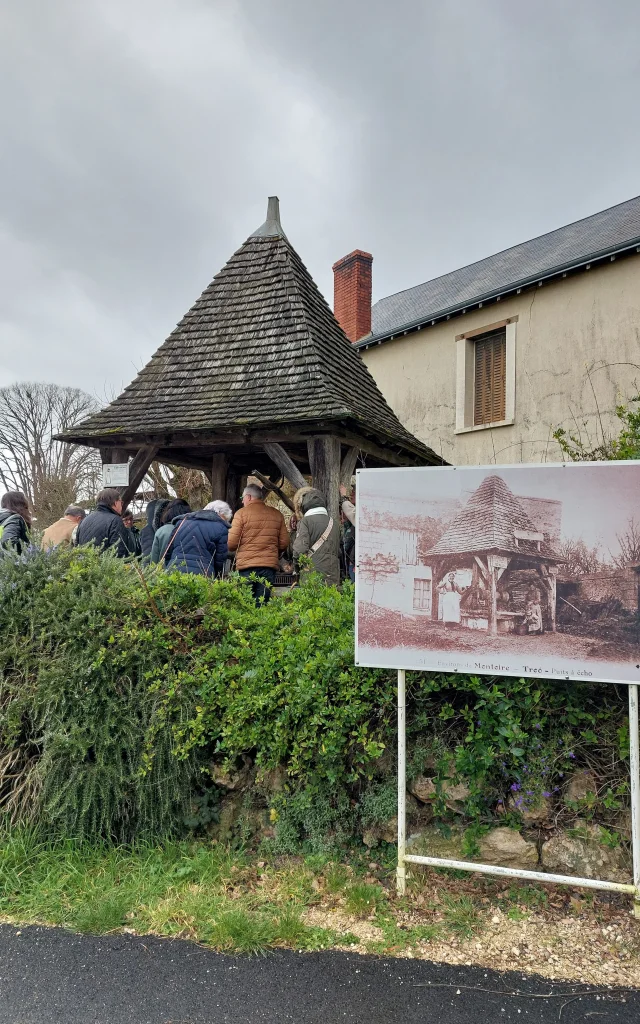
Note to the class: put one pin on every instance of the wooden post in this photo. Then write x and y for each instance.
(138, 470)
(435, 596)
(324, 457)
(233, 490)
(285, 464)
(552, 598)
(119, 455)
(347, 469)
(219, 467)
(493, 597)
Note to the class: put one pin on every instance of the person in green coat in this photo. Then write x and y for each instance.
(317, 535)
(169, 520)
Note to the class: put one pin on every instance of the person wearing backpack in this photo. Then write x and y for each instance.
(317, 536)
(173, 512)
(15, 522)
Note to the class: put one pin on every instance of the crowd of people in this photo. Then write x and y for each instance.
(254, 540)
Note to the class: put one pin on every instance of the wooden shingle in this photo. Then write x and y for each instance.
(260, 347)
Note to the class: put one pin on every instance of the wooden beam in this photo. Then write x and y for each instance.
(387, 455)
(137, 471)
(286, 465)
(324, 458)
(266, 482)
(219, 469)
(348, 466)
(483, 568)
(493, 597)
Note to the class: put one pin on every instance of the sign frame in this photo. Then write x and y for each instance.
(486, 662)
(406, 859)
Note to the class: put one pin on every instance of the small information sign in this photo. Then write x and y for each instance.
(115, 474)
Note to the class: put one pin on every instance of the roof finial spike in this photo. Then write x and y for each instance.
(272, 228)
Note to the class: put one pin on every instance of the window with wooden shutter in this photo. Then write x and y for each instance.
(490, 379)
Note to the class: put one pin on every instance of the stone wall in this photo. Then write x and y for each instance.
(621, 584)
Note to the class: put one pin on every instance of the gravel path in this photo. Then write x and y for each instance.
(49, 975)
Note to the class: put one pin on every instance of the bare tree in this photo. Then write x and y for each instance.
(51, 473)
(580, 559)
(169, 481)
(629, 542)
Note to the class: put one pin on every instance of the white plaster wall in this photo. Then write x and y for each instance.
(577, 355)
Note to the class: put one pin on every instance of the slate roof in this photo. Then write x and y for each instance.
(487, 522)
(602, 233)
(259, 347)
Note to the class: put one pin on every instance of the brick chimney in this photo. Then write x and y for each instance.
(352, 293)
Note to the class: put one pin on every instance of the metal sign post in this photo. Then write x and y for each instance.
(492, 869)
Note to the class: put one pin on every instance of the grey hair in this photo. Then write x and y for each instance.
(254, 491)
(74, 510)
(224, 511)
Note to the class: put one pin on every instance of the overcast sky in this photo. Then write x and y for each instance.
(140, 139)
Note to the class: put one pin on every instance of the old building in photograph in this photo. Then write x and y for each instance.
(484, 363)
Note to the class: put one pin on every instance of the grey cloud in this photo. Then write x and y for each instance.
(141, 138)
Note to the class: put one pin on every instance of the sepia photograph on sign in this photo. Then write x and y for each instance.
(510, 570)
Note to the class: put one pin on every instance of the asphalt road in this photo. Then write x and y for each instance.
(49, 975)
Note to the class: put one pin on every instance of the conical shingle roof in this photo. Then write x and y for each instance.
(487, 523)
(260, 346)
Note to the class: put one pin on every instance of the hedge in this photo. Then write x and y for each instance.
(123, 690)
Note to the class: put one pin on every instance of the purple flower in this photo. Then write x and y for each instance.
(546, 793)
(572, 755)
(515, 786)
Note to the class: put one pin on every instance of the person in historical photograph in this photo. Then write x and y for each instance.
(451, 593)
(533, 613)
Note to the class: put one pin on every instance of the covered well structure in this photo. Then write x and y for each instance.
(494, 537)
(258, 375)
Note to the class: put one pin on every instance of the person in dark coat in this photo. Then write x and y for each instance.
(134, 532)
(147, 532)
(198, 544)
(104, 527)
(15, 522)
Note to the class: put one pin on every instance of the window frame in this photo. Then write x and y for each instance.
(465, 376)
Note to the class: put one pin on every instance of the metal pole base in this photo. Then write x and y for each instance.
(401, 880)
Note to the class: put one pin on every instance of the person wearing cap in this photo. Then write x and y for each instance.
(61, 531)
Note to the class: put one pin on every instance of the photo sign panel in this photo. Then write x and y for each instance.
(523, 570)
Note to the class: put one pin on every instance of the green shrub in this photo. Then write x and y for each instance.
(119, 687)
(78, 640)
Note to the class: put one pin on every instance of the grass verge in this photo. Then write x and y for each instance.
(233, 901)
(223, 898)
